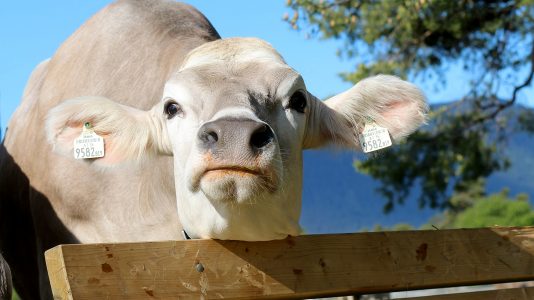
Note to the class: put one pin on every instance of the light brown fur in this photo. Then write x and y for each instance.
(126, 52)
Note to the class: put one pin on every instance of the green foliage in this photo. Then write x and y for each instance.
(494, 41)
(402, 227)
(497, 210)
(396, 227)
(472, 209)
(402, 36)
(15, 296)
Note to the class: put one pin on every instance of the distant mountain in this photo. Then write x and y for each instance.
(338, 199)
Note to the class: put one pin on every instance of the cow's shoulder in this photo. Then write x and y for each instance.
(126, 52)
(175, 18)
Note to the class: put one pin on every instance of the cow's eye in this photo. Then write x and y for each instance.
(297, 102)
(172, 109)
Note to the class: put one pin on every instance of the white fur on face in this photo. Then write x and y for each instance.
(234, 50)
(234, 205)
(227, 204)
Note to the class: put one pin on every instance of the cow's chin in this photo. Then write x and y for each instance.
(234, 186)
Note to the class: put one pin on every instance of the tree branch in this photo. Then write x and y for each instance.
(505, 104)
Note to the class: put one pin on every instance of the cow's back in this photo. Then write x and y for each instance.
(125, 53)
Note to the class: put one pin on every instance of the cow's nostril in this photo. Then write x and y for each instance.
(212, 137)
(209, 137)
(261, 137)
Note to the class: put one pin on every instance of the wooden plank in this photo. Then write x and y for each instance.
(523, 293)
(297, 267)
(57, 274)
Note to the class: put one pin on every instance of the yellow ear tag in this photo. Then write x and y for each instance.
(374, 137)
(88, 144)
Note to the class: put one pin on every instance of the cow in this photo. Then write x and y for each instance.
(5, 280)
(200, 134)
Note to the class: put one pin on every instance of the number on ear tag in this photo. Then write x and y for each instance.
(374, 137)
(88, 144)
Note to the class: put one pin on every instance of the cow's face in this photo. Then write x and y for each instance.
(229, 126)
(236, 127)
(236, 118)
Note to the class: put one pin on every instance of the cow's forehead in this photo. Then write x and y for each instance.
(232, 50)
(213, 87)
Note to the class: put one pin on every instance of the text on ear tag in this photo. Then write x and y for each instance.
(374, 137)
(88, 144)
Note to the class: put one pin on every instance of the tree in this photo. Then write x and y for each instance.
(472, 208)
(497, 209)
(478, 210)
(484, 211)
(420, 40)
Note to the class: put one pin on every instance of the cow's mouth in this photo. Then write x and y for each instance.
(214, 173)
(237, 184)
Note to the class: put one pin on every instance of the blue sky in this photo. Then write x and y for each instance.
(29, 36)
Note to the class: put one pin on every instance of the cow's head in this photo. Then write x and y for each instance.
(236, 118)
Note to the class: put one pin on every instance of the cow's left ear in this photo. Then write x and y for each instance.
(129, 134)
(387, 100)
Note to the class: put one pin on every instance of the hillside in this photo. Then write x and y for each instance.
(338, 199)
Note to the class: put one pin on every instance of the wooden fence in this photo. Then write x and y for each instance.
(307, 266)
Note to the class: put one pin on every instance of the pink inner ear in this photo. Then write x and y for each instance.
(110, 156)
(395, 109)
(400, 110)
(398, 114)
(66, 136)
(65, 140)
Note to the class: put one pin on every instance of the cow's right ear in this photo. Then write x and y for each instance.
(129, 134)
(385, 100)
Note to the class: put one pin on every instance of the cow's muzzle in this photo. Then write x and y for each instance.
(241, 137)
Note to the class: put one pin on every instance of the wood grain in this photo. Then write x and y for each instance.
(57, 273)
(297, 267)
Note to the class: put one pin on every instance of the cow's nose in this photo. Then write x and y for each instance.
(261, 136)
(208, 135)
(226, 134)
